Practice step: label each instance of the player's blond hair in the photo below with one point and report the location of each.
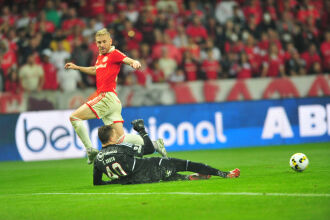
(102, 32)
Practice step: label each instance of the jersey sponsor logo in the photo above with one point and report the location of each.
(104, 59)
(101, 66)
(100, 156)
(47, 135)
(111, 152)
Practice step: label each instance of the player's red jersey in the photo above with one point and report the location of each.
(107, 68)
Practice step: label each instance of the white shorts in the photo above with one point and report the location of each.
(106, 106)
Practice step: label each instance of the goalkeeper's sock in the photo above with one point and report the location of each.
(204, 169)
(222, 174)
(81, 131)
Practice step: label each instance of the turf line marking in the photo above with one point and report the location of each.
(194, 194)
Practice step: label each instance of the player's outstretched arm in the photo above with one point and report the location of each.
(91, 70)
(133, 63)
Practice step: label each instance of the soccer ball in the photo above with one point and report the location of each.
(299, 162)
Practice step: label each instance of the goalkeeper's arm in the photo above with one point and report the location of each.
(97, 177)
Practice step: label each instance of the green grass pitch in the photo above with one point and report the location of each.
(264, 170)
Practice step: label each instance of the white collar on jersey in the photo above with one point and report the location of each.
(112, 48)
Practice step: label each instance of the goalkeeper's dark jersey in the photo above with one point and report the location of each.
(121, 163)
(116, 161)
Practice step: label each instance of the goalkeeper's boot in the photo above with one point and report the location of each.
(234, 173)
(159, 147)
(199, 176)
(138, 126)
(91, 154)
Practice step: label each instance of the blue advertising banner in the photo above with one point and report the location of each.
(47, 135)
(234, 124)
(8, 150)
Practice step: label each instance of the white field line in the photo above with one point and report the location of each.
(190, 194)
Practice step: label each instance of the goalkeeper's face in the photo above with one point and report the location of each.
(103, 42)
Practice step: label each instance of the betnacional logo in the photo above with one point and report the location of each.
(186, 133)
(46, 135)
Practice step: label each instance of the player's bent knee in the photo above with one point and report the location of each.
(71, 118)
(74, 118)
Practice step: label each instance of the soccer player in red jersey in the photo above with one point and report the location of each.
(105, 105)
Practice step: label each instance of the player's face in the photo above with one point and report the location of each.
(103, 43)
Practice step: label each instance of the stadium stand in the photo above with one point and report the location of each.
(175, 40)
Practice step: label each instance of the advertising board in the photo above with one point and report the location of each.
(44, 135)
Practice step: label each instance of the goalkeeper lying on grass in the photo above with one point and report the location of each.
(123, 163)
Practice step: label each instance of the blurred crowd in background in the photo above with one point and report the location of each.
(175, 40)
